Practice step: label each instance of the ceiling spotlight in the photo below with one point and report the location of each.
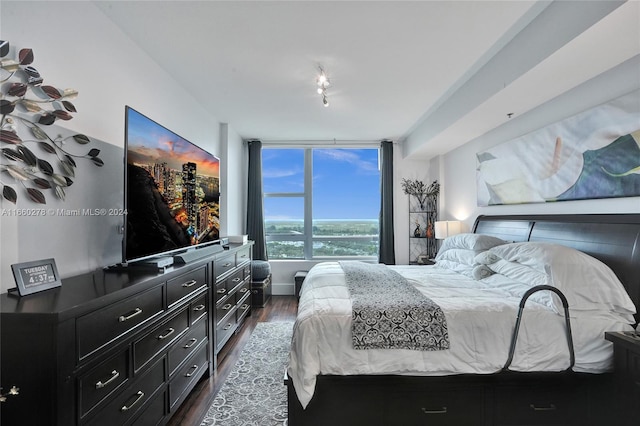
(323, 82)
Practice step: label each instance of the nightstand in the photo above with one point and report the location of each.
(626, 354)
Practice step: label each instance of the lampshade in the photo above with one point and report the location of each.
(447, 228)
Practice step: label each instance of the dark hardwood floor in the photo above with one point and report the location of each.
(279, 308)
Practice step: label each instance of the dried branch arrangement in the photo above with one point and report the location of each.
(418, 189)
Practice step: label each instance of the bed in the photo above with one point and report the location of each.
(329, 382)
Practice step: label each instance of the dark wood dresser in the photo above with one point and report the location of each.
(122, 346)
(232, 291)
(626, 354)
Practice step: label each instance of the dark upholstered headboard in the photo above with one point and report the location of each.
(614, 239)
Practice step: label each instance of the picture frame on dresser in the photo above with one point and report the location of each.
(34, 276)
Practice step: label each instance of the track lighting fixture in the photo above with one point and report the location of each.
(323, 82)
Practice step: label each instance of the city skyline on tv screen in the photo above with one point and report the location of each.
(173, 190)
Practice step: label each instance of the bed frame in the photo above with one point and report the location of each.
(505, 398)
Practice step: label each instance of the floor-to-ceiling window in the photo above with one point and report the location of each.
(321, 202)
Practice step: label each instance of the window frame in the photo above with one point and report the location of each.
(307, 237)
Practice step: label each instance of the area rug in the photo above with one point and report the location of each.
(254, 394)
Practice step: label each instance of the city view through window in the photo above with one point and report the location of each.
(340, 194)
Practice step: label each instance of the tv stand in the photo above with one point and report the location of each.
(196, 254)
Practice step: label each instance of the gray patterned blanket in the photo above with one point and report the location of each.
(389, 313)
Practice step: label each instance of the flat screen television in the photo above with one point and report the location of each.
(172, 191)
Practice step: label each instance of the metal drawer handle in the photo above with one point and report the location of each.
(235, 280)
(189, 283)
(191, 343)
(226, 307)
(135, 312)
(222, 291)
(254, 291)
(244, 290)
(114, 375)
(140, 395)
(228, 326)
(245, 306)
(226, 265)
(195, 368)
(442, 410)
(551, 407)
(198, 308)
(167, 334)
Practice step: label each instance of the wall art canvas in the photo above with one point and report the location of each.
(594, 154)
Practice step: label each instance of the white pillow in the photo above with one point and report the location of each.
(458, 252)
(458, 255)
(587, 283)
(477, 242)
(519, 272)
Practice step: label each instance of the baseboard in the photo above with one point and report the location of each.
(283, 289)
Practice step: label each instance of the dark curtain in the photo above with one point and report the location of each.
(255, 216)
(386, 253)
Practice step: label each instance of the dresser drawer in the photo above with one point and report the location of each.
(224, 330)
(187, 345)
(234, 281)
(220, 292)
(158, 339)
(539, 406)
(223, 265)
(186, 284)
(243, 307)
(102, 326)
(226, 287)
(102, 381)
(246, 271)
(199, 308)
(450, 407)
(187, 374)
(154, 414)
(243, 291)
(125, 404)
(243, 255)
(224, 310)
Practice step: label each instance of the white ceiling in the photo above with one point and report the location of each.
(399, 70)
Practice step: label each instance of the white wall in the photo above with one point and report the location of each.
(233, 186)
(76, 46)
(459, 165)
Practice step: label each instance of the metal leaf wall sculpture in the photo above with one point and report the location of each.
(27, 105)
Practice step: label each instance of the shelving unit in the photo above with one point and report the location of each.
(422, 219)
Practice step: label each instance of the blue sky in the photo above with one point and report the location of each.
(154, 143)
(346, 183)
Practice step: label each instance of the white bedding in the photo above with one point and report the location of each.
(480, 321)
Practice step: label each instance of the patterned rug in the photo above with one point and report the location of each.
(254, 394)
